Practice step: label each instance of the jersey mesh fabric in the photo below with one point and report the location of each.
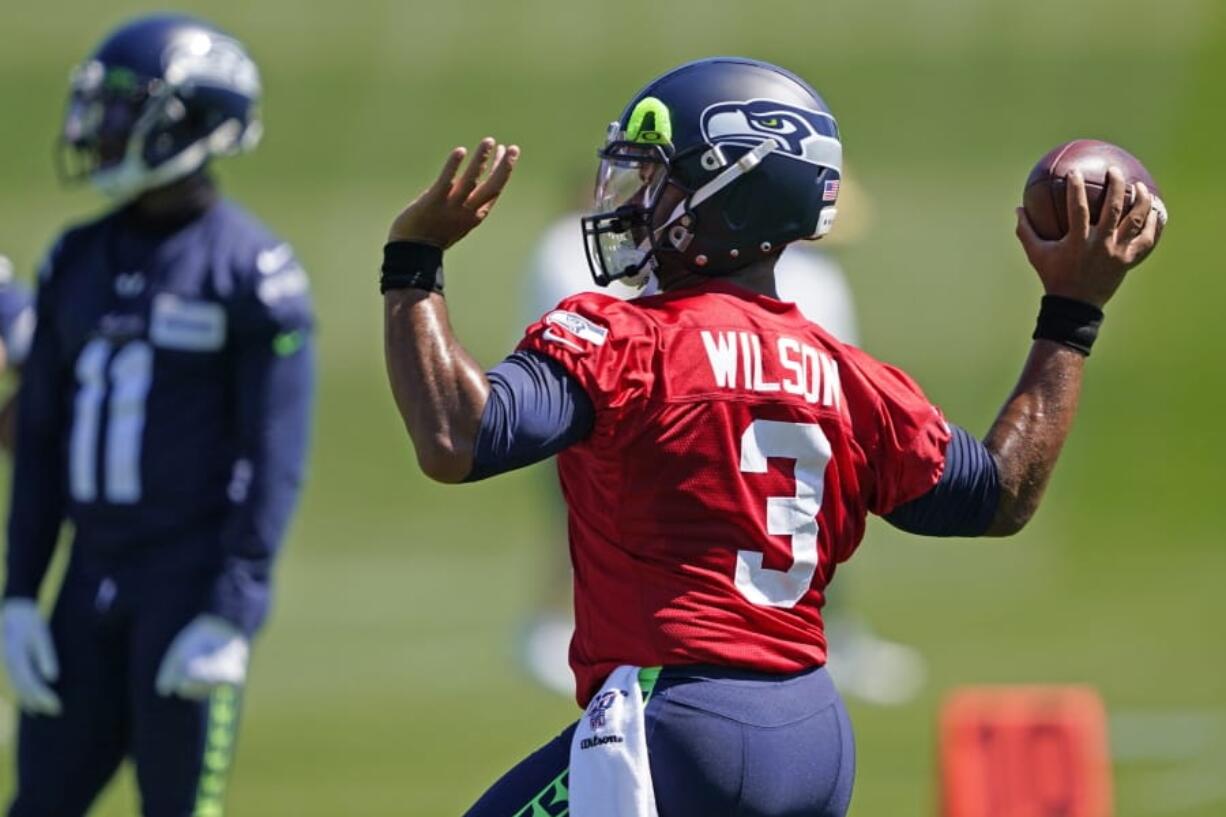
(677, 499)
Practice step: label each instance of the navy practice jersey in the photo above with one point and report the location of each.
(166, 394)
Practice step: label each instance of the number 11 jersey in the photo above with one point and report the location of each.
(736, 451)
(145, 397)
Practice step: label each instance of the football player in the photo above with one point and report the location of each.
(164, 413)
(718, 452)
(864, 664)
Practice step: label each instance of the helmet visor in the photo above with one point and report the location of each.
(628, 184)
(629, 174)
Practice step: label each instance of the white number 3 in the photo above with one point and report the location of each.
(794, 516)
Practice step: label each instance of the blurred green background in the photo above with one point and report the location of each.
(385, 683)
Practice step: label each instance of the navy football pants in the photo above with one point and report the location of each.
(112, 623)
(721, 742)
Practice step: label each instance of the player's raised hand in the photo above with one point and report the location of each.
(457, 202)
(1090, 261)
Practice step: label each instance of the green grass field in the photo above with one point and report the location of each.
(385, 683)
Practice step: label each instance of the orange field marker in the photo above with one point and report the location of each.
(1025, 752)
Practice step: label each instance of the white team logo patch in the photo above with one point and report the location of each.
(187, 326)
(281, 276)
(273, 260)
(290, 282)
(575, 326)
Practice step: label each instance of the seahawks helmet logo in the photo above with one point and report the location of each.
(807, 135)
(206, 58)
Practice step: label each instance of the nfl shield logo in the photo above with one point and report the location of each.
(597, 709)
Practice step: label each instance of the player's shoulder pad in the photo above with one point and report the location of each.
(876, 372)
(258, 260)
(604, 343)
(893, 393)
(80, 237)
(592, 320)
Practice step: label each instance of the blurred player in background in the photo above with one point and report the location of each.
(718, 452)
(163, 413)
(16, 332)
(863, 664)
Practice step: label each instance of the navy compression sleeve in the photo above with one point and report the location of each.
(535, 409)
(964, 500)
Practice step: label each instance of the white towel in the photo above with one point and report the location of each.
(609, 772)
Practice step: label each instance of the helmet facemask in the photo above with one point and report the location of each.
(106, 109)
(619, 238)
(626, 238)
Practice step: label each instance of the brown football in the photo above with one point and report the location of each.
(1044, 196)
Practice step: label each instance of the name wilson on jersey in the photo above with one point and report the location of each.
(741, 360)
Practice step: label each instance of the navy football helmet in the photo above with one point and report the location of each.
(160, 96)
(752, 151)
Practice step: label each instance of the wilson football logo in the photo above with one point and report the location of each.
(804, 134)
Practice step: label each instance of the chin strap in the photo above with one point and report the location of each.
(736, 170)
(742, 166)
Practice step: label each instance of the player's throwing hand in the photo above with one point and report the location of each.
(446, 211)
(1088, 264)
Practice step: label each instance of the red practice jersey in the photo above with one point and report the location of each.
(736, 452)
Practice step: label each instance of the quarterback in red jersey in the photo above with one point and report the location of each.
(722, 416)
(719, 453)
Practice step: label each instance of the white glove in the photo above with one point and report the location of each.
(208, 653)
(29, 657)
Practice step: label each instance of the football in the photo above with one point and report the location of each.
(1044, 195)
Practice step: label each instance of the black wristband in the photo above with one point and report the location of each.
(411, 265)
(1072, 323)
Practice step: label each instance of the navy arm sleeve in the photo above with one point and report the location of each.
(535, 409)
(964, 500)
(38, 493)
(274, 382)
